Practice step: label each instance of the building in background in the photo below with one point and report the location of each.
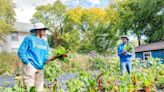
(15, 38)
(155, 50)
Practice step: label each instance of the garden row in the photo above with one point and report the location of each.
(95, 73)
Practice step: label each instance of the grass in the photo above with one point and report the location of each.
(86, 62)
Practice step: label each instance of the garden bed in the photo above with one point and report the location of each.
(86, 73)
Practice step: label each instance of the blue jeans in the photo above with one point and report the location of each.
(125, 66)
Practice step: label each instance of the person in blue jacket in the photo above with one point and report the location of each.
(34, 54)
(125, 56)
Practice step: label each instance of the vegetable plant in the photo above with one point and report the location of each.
(128, 47)
(61, 54)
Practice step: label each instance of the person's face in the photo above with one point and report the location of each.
(42, 32)
(124, 40)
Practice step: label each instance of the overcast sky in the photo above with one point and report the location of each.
(26, 8)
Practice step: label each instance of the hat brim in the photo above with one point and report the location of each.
(33, 30)
(125, 37)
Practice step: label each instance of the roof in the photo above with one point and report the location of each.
(23, 27)
(151, 46)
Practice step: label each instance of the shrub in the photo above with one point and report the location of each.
(8, 62)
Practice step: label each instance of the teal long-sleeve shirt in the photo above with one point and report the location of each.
(34, 50)
(122, 56)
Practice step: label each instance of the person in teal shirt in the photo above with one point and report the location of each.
(125, 55)
(34, 53)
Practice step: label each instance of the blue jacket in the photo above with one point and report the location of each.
(122, 56)
(34, 50)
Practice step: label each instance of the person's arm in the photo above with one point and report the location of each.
(50, 59)
(53, 58)
(120, 51)
(130, 53)
(47, 59)
(22, 51)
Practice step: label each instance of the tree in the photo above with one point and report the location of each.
(52, 15)
(7, 18)
(72, 40)
(155, 28)
(95, 26)
(138, 16)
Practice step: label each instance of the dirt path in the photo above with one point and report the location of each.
(7, 81)
(10, 81)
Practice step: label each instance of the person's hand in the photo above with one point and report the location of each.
(65, 55)
(50, 59)
(53, 58)
(61, 56)
(125, 53)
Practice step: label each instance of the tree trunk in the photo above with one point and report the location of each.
(139, 39)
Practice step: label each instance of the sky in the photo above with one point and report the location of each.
(26, 8)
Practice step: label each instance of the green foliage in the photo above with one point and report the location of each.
(160, 83)
(52, 15)
(61, 54)
(51, 41)
(105, 37)
(8, 62)
(99, 62)
(112, 80)
(19, 89)
(32, 89)
(97, 33)
(78, 29)
(71, 40)
(87, 29)
(16, 88)
(87, 74)
(52, 71)
(85, 82)
(75, 85)
(60, 51)
(141, 17)
(128, 48)
(7, 19)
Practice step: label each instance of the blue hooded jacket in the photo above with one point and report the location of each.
(34, 50)
(122, 56)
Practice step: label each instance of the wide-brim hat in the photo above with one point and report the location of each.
(38, 26)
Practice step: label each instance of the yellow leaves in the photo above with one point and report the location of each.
(112, 14)
(92, 14)
(90, 18)
(119, 1)
(97, 14)
(75, 14)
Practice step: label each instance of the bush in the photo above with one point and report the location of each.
(8, 62)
